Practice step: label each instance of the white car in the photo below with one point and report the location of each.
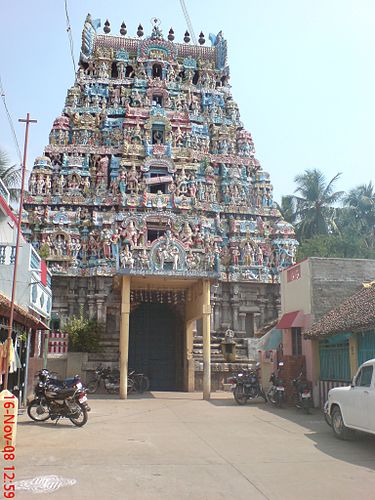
(353, 407)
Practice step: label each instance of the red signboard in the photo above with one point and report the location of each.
(293, 274)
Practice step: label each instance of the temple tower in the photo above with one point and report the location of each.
(152, 211)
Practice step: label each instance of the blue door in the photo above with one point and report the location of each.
(366, 346)
(334, 358)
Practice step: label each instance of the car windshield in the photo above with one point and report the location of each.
(364, 377)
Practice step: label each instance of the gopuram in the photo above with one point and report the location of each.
(152, 211)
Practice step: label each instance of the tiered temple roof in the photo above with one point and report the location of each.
(149, 169)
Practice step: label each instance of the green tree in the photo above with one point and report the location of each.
(314, 204)
(10, 175)
(360, 202)
(84, 333)
(288, 209)
(337, 245)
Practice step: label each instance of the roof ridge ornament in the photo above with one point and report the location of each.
(156, 33)
(369, 284)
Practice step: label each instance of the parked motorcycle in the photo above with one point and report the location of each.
(104, 376)
(137, 382)
(141, 381)
(246, 385)
(276, 393)
(303, 393)
(53, 400)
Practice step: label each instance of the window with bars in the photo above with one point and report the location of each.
(296, 342)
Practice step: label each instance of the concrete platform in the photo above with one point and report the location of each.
(177, 446)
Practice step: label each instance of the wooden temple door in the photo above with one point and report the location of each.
(155, 345)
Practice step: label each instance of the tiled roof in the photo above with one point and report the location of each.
(20, 314)
(355, 314)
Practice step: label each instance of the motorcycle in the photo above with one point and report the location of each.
(141, 381)
(137, 382)
(303, 393)
(276, 393)
(103, 375)
(53, 400)
(246, 385)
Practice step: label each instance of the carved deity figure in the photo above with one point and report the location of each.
(248, 255)
(130, 233)
(115, 237)
(144, 259)
(132, 179)
(186, 234)
(126, 258)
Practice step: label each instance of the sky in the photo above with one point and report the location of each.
(302, 72)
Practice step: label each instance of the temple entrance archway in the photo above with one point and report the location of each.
(172, 349)
(156, 345)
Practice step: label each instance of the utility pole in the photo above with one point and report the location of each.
(26, 120)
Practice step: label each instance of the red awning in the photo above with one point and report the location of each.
(42, 326)
(295, 319)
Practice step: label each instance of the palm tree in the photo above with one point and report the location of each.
(10, 175)
(288, 209)
(314, 202)
(361, 201)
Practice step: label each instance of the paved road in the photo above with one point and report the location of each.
(177, 446)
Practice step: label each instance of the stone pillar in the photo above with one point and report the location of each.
(226, 321)
(72, 300)
(217, 316)
(235, 307)
(242, 316)
(81, 304)
(91, 305)
(206, 309)
(212, 326)
(189, 367)
(124, 336)
(100, 309)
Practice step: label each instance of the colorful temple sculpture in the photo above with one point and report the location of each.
(149, 187)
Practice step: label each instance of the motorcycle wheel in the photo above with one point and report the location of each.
(38, 411)
(144, 384)
(131, 385)
(92, 386)
(253, 393)
(81, 418)
(111, 389)
(306, 407)
(239, 395)
(270, 396)
(279, 399)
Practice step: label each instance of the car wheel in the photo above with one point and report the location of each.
(338, 426)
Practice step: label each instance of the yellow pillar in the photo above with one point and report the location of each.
(353, 354)
(124, 336)
(206, 309)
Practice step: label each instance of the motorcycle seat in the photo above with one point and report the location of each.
(59, 392)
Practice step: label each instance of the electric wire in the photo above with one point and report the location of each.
(70, 36)
(10, 121)
(188, 21)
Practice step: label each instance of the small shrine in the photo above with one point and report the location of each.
(149, 186)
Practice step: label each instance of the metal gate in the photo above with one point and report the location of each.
(334, 358)
(366, 346)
